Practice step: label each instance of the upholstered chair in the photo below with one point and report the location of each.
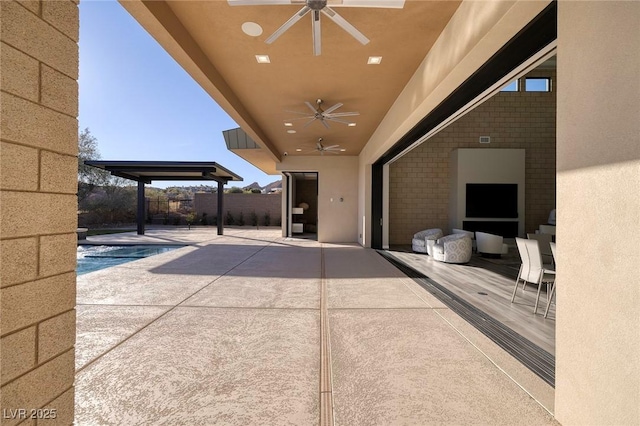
(454, 248)
(547, 229)
(490, 244)
(470, 234)
(419, 243)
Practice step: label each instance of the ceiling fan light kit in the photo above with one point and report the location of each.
(316, 8)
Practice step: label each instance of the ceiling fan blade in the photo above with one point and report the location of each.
(298, 112)
(324, 123)
(337, 120)
(309, 122)
(345, 25)
(333, 108)
(391, 4)
(330, 147)
(311, 107)
(295, 18)
(315, 27)
(342, 114)
(300, 118)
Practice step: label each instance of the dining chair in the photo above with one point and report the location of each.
(553, 287)
(532, 269)
(524, 265)
(544, 240)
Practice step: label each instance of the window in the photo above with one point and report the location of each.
(538, 84)
(511, 87)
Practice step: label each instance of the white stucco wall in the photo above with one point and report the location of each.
(598, 187)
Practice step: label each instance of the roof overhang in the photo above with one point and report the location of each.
(268, 101)
(148, 171)
(241, 144)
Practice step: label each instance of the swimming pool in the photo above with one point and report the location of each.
(94, 258)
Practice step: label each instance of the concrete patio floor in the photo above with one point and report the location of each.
(251, 328)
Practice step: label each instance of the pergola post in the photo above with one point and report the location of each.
(220, 199)
(141, 203)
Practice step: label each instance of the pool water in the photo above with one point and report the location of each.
(94, 258)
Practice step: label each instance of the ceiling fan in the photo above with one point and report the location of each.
(331, 149)
(317, 113)
(316, 7)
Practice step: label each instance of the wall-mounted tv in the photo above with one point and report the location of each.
(492, 200)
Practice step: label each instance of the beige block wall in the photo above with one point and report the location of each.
(38, 155)
(237, 203)
(419, 182)
(598, 268)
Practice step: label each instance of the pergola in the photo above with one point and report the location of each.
(148, 171)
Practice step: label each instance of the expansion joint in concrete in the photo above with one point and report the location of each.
(326, 388)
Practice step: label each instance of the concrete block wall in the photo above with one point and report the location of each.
(419, 182)
(38, 175)
(235, 203)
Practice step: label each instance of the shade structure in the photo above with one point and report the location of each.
(147, 171)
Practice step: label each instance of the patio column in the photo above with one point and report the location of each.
(220, 200)
(598, 162)
(141, 203)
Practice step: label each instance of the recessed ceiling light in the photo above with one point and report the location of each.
(263, 59)
(374, 60)
(288, 124)
(342, 150)
(298, 149)
(351, 124)
(252, 29)
(291, 131)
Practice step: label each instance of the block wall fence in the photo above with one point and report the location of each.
(38, 184)
(204, 202)
(419, 182)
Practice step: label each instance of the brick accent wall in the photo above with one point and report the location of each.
(419, 181)
(235, 203)
(38, 155)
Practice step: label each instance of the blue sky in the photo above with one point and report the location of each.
(141, 105)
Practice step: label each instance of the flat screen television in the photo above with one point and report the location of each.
(492, 200)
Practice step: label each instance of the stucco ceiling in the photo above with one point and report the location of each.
(258, 96)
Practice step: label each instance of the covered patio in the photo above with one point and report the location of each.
(280, 331)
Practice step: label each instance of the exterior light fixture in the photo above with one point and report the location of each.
(263, 59)
(374, 60)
